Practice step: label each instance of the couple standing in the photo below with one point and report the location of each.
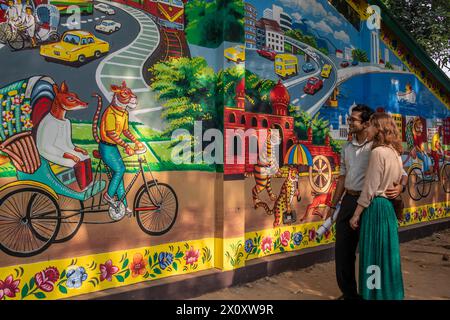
(371, 173)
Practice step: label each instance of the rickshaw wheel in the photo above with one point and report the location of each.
(152, 221)
(18, 43)
(320, 174)
(416, 184)
(445, 177)
(22, 212)
(71, 219)
(54, 37)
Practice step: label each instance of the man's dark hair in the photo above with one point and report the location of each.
(366, 112)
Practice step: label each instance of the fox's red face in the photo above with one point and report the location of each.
(69, 101)
(123, 96)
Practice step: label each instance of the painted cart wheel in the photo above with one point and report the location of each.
(22, 212)
(418, 186)
(72, 215)
(157, 209)
(320, 174)
(18, 43)
(445, 177)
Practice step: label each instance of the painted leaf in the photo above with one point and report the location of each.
(179, 255)
(120, 278)
(152, 275)
(62, 289)
(25, 290)
(150, 260)
(125, 263)
(32, 282)
(40, 295)
(281, 249)
(292, 246)
(175, 266)
(63, 274)
(127, 274)
(155, 257)
(157, 271)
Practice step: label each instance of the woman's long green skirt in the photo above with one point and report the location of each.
(380, 272)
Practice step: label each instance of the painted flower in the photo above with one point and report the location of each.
(407, 217)
(424, 213)
(16, 100)
(138, 265)
(46, 279)
(28, 124)
(107, 270)
(327, 234)
(297, 238)
(9, 287)
(431, 210)
(165, 259)
(8, 116)
(312, 234)
(75, 277)
(440, 211)
(416, 215)
(285, 237)
(266, 244)
(26, 108)
(249, 245)
(191, 256)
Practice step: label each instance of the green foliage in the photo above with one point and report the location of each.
(187, 87)
(320, 129)
(360, 55)
(209, 24)
(298, 35)
(428, 21)
(258, 90)
(389, 66)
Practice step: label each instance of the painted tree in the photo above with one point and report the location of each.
(211, 23)
(187, 88)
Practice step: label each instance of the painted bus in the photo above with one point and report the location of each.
(286, 65)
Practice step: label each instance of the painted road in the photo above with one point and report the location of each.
(31, 63)
(127, 64)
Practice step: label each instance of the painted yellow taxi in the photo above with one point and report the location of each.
(75, 47)
(236, 53)
(326, 70)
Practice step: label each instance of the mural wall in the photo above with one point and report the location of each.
(90, 195)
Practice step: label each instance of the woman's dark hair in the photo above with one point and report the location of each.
(366, 112)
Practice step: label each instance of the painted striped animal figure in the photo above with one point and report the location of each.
(265, 168)
(284, 200)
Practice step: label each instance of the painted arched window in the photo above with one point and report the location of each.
(232, 118)
(254, 122)
(265, 124)
(243, 120)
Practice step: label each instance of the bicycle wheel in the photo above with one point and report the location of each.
(415, 184)
(445, 177)
(22, 212)
(18, 43)
(157, 209)
(72, 215)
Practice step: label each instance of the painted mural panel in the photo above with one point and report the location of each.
(88, 105)
(91, 197)
(308, 62)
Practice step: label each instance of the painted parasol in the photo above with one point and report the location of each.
(298, 154)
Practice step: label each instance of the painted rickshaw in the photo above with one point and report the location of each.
(47, 22)
(43, 206)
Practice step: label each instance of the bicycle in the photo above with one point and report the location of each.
(34, 215)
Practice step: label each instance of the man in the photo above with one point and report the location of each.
(355, 157)
(30, 23)
(12, 14)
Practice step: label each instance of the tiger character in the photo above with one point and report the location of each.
(284, 200)
(113, 124)
(266, 167)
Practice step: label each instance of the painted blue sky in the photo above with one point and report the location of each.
(321, 17)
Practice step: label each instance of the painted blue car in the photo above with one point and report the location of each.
(308, 67)
(355, 62)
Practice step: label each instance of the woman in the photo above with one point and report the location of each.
(380, 275)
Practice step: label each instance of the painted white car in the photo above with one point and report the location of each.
(104, 8)
(108, 26)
